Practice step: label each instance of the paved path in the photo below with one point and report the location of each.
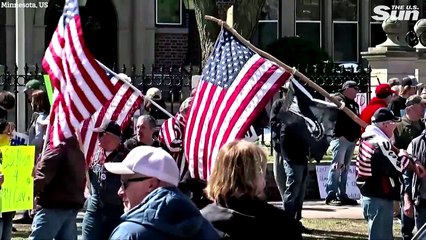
(318, 209)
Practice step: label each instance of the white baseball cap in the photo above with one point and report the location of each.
(147, 161)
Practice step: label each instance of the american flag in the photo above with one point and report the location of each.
(171, 136)
(80, 85)
(119, 109)
(363, 163)
(235, 87)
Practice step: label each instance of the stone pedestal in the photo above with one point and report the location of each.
(393, 58)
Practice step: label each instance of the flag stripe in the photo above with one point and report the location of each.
(120, 109)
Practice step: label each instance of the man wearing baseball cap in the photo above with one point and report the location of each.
(104, 207)
(154, 207)
(383, 97)
(379, 172)
(408, 88)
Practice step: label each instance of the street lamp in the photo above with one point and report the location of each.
(189, 4)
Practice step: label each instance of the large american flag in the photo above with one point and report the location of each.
(80, 85)
(235, 87)
(119, 109)
(171, 137)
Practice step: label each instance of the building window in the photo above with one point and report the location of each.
(345, 30)
(308, 20)
(168, 12)
(268, 24)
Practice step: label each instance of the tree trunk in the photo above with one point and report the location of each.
(246, 16)
(208, 30)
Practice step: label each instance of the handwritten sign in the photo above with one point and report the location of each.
(19, 139)
(361, 99)
(17, 190)
(351, 188)
(48, 85)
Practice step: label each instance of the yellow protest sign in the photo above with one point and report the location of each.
(17, 190)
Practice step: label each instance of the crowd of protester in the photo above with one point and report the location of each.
(136, 189)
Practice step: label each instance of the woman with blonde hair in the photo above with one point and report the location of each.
(236, 187)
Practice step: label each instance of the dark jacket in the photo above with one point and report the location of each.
(405, 131)
(345, 126)
(294, 139)
(379, 169)
(105, 185)
(276, 123)
(396, 105)
(166, 213)
(368, 112)
(133, 142)
(60, 176)
(246, 218)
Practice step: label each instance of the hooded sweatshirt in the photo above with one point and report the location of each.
(166, 213)
(368, 112)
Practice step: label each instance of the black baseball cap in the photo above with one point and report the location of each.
(109, 127)
(383, 115)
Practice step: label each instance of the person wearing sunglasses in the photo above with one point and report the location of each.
(104, 207)
(154, 207)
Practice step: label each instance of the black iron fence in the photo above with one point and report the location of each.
(175, 81)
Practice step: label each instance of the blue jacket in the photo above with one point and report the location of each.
(166, 213)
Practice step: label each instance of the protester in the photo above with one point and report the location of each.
(59, 191)
(379, 168)
(395, 84)
(41, 106)
(154, 206)
(236, 187)
(154, 94)
(6, 217)
(409, 128)
(346, 134)
(279, 171)
(104, 206)
(383, 97)
(414, 186)
(32, 86)
(408, 88)
(7, 102)
(171, 136)
(145, 127)
(294, 148)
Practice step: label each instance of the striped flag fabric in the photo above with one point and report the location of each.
(363, 163)
(234, 88)
(80, 85)
(170, 137)
(119, 109)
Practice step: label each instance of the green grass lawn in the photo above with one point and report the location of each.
(344, 229)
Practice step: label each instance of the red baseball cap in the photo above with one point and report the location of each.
(383, 90)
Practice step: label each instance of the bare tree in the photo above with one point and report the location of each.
(246, 17)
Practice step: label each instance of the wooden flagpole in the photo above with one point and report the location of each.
(291, 70)
(134, 88)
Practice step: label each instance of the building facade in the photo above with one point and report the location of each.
(164, 31)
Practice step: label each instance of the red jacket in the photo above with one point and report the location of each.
(368, 112)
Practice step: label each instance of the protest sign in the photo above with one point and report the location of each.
(48, 85)
(17, 190)
(351, 188)
(19, 139)
(361, 99)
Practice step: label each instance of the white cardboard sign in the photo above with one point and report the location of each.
(351, 188)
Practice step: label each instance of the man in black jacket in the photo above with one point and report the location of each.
(346, 134)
